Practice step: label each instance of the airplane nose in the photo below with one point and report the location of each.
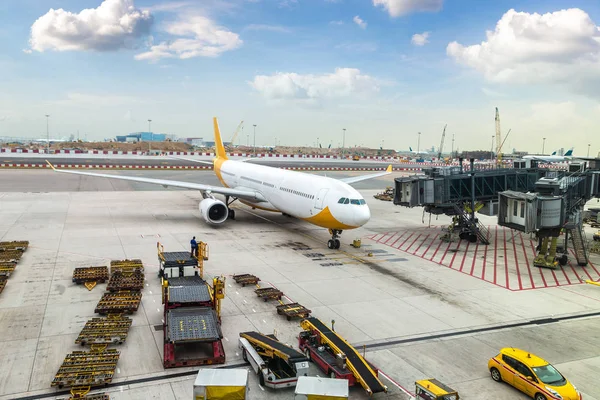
(362, 215)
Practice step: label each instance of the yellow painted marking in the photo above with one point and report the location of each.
(326, 220)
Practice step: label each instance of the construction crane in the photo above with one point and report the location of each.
(498, 140)
(441, 149)
(236, 132)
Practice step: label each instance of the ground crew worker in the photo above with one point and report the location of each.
(194, 245)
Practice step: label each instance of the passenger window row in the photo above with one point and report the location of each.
(357, 202)
(297, 193)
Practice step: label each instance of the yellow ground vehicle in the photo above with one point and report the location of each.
(432, 389)
(531, 375)
(597, 236)
(356, 157)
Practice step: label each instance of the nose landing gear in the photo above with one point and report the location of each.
(334, 242)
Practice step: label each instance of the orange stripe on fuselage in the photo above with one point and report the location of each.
(326, 220)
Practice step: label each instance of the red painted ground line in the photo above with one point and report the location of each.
(413, 242)
(378, 237)
(528, 266)
(455, 253)
(540, 269)
(496, 254)
(589, 262)
(390, 238)
(583, 268)
(399, 237)
(474, 259)
(421, 245)
(405, 240)
(436, 250)
(484, 261)
(517, 261)
(446, 252)
(574, 272)
(565, 274)
(462, 263)
(383, 237)
(506, 260)
(428, 247)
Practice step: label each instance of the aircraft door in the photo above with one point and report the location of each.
(320, 197)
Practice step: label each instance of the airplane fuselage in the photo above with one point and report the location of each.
(322, 201)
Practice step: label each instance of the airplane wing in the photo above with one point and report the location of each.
(192, 160)
(245, 194)
(354, 179)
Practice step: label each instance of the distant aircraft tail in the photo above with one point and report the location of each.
(219, 148)
(410, 148)
(554, 153)
(569, 153)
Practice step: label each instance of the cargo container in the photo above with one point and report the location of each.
(221, 384)
(313, 388)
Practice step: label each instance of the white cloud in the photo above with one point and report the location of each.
(271, 28)
(336, 22)
(397, 8)
(558, 47)
(344, 82)
(420, 39)
(88, 99)
(358, 21)
(115, 24)
(201, 37)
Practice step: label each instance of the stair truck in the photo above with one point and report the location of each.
(314, 388)
(276, 364)
(336, 357)
(221, 384)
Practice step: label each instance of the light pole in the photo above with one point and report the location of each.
(47, 135)
(452, 154)
(150, 142)
(419, 144)
(543, 145)
(589, 149)
(344, 142)
(254, 140)
(492, 148)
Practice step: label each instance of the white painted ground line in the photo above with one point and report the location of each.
(396, 384)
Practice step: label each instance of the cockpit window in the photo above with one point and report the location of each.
(346, 201)
(362, 201)
(341, 201)
(353, 201)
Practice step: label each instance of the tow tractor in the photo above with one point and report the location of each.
(276, 364)
(336, 357)
(432, 389)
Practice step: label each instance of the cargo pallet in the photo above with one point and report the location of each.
(119, 302)
(175, 264)
(10, 256)
(14, 245)
(269, 293)
(293, 310)
(6, 269)
(190, 291)
(126, 266)
(110, 330)
(246, 279)
(192, 337)
(87, 368)
(2, 284)
(90, 274)
(125, 281)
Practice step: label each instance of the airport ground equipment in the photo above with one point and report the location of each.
(6, 269)
(90, 274)
(246, 279)
(221, 384)
(336, 357)
(81, 394)
(386, 195)
(526, 197)
(125, 301)
(2, 283)
(20, 245)
(181, 263)
(269, 293)
(126, 266)
(107, 330)
(432, 389)
(293, 310)
(276, 364)
(11, 255)
(125, 281)
(87, 368)
(316, 388)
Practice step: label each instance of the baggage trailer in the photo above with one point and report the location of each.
(14, 245)
(111, 330)
(336, 357)
(293, 310)
(269, 293)
(432, 389)
(221, 384)
(119, 302)
(2, 284)
(277, 365)
(87, 368)
(315, 388)
(246, 279)
(10, 256)
(6, 269)
(125, 281)
(90, 274)
(192, 337)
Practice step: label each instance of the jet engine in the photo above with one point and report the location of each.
(214, 211)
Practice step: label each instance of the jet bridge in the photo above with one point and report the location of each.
(526, 197)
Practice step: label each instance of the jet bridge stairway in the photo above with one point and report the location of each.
(476, 229)
(577, 237)
(359, 367)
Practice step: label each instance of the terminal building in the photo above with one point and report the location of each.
(143, 137)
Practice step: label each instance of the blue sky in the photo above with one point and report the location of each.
(305, 69)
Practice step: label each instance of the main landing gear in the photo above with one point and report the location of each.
(334, 242)
(231, 211)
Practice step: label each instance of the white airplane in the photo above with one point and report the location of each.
(417, 152)
(552, 158)
(326, 202)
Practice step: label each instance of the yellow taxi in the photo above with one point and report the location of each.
(531, 375)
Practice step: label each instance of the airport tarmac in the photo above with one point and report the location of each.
(417, 316)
